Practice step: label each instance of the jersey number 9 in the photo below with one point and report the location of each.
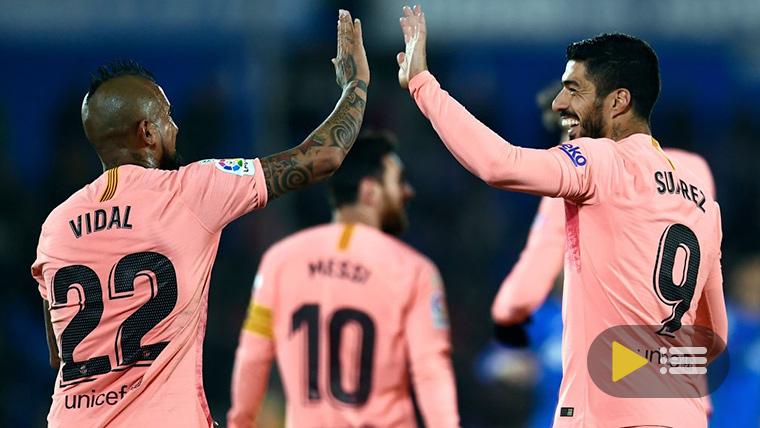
(678, 295)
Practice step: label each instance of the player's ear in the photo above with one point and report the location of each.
(147, 133)
(621, 101)
(368, 192)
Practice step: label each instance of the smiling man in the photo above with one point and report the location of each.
(642, 236)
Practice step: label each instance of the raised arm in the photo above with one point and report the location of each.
(320, 155)
(479, 149)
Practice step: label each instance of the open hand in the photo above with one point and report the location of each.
(413, 60)
(351, 60)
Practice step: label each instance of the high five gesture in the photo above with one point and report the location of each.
(351, 60)
(324, 149)
(413, 60)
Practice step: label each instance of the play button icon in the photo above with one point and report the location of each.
(635, 361)
(625, 361)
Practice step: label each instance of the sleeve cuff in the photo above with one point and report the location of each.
(419, 81)
(261, 184)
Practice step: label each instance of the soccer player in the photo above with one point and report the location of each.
(348, 310)
(531, 279)
(529, 283)
(124, 264)
(629, 211)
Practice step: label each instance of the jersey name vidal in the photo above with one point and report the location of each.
(125, 267)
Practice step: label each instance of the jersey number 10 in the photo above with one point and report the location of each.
(309, 315)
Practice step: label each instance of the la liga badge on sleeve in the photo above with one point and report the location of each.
(237, 166)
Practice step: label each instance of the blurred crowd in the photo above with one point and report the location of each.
(231, 108)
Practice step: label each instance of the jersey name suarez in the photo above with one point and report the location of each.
(668, 184)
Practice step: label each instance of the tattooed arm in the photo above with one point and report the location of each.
(320, 155)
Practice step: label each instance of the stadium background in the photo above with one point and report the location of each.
(248, 78)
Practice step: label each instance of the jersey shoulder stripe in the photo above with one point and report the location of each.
(345, 237)
(113, 181)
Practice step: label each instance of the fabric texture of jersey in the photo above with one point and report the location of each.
(125, 266)
(531, 279)
(529, 283)
(351, 313)
(620, 198)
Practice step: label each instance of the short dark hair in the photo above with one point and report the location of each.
(621, 61)
(364, 160)
(117, 68)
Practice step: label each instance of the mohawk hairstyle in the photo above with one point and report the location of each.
(117, 68)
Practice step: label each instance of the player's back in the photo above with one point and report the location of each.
(639, 252)
(341, 303)
(125, 265)
(697, 164)
(625, 233)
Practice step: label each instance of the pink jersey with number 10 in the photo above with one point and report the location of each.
(350, 313)
(125, 265)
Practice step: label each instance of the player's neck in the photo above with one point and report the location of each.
(357, 214)
(624, 129)
(126, 157)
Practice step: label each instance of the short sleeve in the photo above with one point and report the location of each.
(218, 191)
(38, 269)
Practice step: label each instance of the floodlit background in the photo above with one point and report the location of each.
(248, 78)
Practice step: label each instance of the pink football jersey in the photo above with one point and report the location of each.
(349, 313)
(531, 279)
(125, 266)
(631, 215)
